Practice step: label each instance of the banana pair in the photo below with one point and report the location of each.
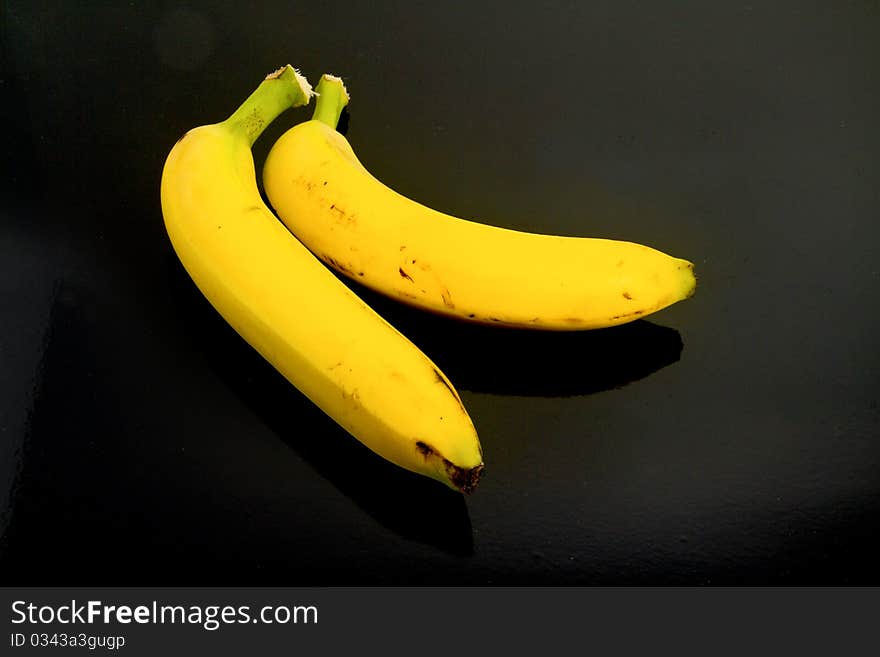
(267, 280)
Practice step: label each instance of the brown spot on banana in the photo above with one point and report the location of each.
(354, 396)
(634, 313)
(335, 263)
(403, 274)
(464, 479)
(342, 215)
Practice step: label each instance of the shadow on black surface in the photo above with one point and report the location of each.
(507, 361)
(477, 358)
(410, 505)
(344, 120)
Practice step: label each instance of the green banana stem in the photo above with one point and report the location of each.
(280, 90)
(332, 99)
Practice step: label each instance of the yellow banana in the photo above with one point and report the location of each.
(453, 266)
(295, 312)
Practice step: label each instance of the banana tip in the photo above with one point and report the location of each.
(464, 479)
(692, 279)
(688, 278)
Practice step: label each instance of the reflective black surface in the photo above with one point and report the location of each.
(732, 438)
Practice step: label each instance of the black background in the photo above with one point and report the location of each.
(731, 439)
